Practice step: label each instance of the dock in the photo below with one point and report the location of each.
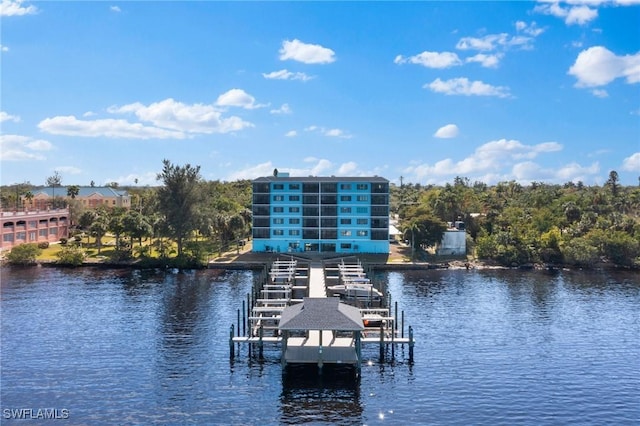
(292, 308)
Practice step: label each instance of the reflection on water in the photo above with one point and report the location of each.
(493, 347)
(332, 397)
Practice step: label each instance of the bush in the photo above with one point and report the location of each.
(24, 254)
(71, 255)
(43, 245)
(63, 241)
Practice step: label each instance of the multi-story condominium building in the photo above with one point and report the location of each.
(33, 227)
(321, 214)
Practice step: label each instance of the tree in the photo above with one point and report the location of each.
(53, 181)
(179, 200)
(29, 197)
(73, 191)
(24, 254)
(99, 227)
(612, 182)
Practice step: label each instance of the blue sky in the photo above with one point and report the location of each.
(492, 91)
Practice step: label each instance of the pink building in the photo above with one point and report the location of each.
(33, 227)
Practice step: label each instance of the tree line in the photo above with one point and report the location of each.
(188, 218)
(511, 224)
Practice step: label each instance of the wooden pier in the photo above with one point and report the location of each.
(290, 308)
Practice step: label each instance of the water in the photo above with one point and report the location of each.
(493, 347)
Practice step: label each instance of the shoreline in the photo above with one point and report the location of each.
(257, 263)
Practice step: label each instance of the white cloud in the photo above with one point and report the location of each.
(89, 114)
(291, 134)
(490, 158)
(347, 169)
(493, 41)
(69, 170)
(447, 132)
(143, 179)
(306, 53)
(287, 75)
(194, 118)
(528, 171)
(632, 163)
(580, 14)
(8, 117)
(532, 29)
(317, 167)
(15, 8)
(600, 93)
(487, 61)
(253, 172)
(110, 128)
(238, 98)
(431, 59)
(20, 148)
(115, 9)
(598, 66)
(3, 48)
(284, 109)
(462, 86)
(335, 133)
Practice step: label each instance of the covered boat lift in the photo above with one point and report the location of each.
(321, 331)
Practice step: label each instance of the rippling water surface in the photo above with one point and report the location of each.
(493, 347)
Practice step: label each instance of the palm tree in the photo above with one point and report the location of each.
(29, 197)
(413, 228)
(53, 181)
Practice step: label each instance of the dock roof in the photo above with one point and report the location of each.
(321, 313)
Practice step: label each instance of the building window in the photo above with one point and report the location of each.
(345, 209)
(278, 209)
(362, 221)
(345, 198)
(278, 221)
(294, 198)
(345, 186)
(278, 186)
(294, 209)
(362, 210)
(294, 186)
(345, 246)
(278, 232)
(278, 198)
(344, 221)
(7, 238)
(362, 233)
(363, 198)
(294, 232)
(43, 232)
(345, 233)
(362, 187)
(294, 221)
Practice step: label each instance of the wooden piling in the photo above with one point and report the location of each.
(260, 342)
(231, 344)
(396, 317)
(381, 343)
(411, 344)
(244, 321)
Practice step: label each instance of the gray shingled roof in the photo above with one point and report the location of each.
(314, 179)
(83, 191)
(321, 313)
